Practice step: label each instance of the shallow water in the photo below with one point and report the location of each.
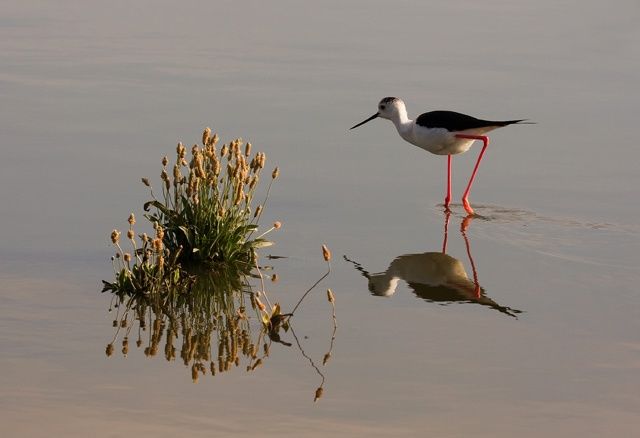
(93, 96)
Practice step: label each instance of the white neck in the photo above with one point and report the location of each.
(402, 123)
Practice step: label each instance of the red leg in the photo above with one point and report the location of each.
(463, 230)
(447, 199)
(485, 141)
(447, 215)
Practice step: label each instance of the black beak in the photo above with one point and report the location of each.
(368, 120)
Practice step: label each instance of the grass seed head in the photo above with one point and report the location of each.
(277, 224)
(235, 147)
(275, 173)
(194, 373)
(326, 254)
(253, 182)
(146, 182)
(261, 306)
(330, 297)
(132, 219)
(181, 150)
(115, 236)
(157, 245)
(216, 166)
(239, 197)
(205, 136)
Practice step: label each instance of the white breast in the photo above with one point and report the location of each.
(438, 141)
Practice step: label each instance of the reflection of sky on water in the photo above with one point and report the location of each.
(93, 96)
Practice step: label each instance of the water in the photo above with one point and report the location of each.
(94, 95)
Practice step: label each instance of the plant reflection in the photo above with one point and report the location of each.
(214, 323)
(435, 276)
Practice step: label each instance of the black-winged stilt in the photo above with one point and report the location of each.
(434, 276)
(441, 133)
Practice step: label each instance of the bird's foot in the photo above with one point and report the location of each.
(464, 225)
(477, 291)
(467, 206)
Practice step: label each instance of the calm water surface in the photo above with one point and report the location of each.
(549, 345)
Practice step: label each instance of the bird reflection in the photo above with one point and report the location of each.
(434, 276)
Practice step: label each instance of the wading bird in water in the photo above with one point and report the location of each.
(441, 133)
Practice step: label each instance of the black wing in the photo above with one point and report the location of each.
(453, 121)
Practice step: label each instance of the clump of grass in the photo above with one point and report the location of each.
(147, 267)
(190, 277)
(206, 208)
(205, 219)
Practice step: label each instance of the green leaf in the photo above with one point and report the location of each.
(186, 234)
(261, 243)
(158, 205)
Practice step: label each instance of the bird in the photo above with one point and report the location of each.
(433, 276)
(442, 133)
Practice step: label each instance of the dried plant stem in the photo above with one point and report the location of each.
(311, 288)
(264, 291)
(293, 332)
(266, 232)
(266, 197)
(333, 334)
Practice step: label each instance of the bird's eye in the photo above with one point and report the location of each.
(382, 107)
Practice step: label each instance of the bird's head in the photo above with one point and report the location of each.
(389, 108)
(383, 284)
